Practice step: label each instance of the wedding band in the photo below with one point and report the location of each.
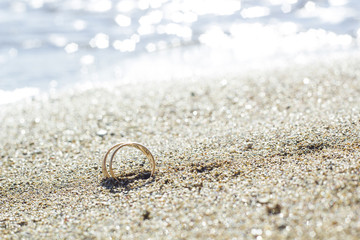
(116, 148)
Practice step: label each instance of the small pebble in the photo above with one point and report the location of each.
(264, 200)
(101, 132)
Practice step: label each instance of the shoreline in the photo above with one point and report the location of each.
(272, 154)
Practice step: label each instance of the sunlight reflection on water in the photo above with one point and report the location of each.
(74, 41)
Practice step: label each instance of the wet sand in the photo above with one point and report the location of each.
(269, 154)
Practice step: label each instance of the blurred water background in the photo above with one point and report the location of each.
(47, 45)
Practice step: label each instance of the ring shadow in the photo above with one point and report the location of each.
(125, 180)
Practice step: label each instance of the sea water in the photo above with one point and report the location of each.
(46, 45)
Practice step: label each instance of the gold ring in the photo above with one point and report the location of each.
(117, 147)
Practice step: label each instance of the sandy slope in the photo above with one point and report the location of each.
(269, 154)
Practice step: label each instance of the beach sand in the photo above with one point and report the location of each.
(271, 154)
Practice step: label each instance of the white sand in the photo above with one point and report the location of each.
(266, 155)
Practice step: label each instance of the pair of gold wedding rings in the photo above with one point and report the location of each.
(116, 148)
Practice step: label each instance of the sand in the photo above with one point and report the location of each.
(269, 154)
